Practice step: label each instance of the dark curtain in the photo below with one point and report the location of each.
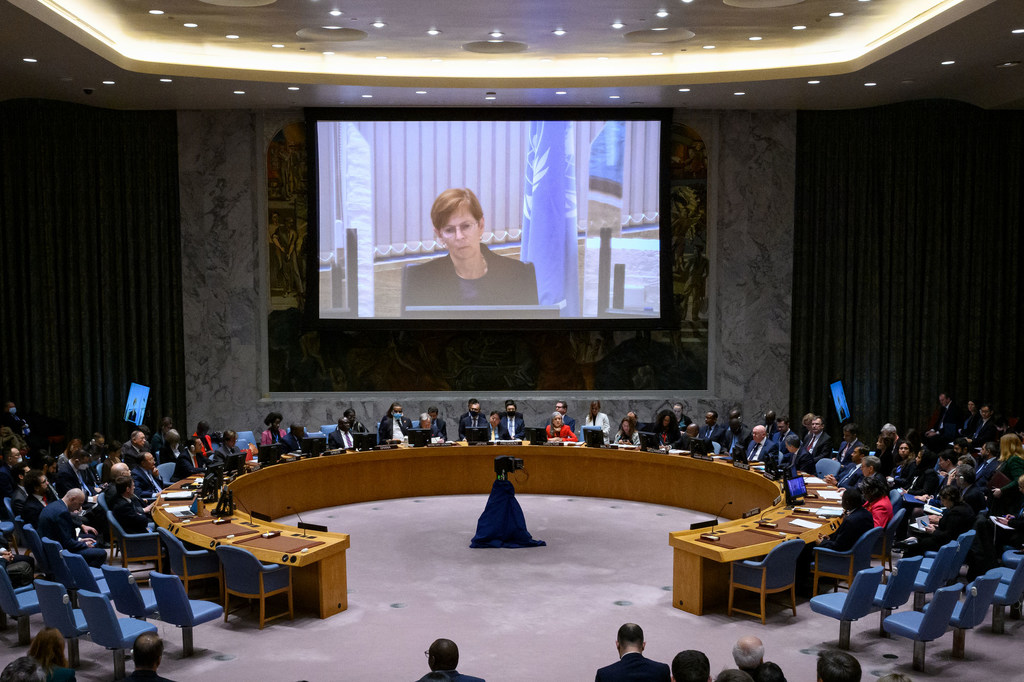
(90, 285)
(907, 261)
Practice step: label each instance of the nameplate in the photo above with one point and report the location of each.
(440, 445)
(770, 477)
(657, 451)
(384, 447)
(767, 524)
(741, 465)
(706, 458)
(710, 537)
(508, 442)
(751, 512)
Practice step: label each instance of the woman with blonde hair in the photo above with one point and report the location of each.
(1011, 465)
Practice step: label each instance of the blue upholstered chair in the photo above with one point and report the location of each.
(1009, 591)
(1012, 557)
(177, 609)
(930, 579)
(135, 546)
(897, 591)
(896, 498)
(246, 576)
(775, 573)
(35, 547)
(828, 563)
(166, 470)
(189, 564)
(55, 605)
(927, 626)
(971, 611)
(19, 604)
(851, 605)
(964, 543)
(128, 597)
(107, 630)
(826, 467)
(883, 547)
(86, 577)
(328, 429)
(58, 568)
(7, 527)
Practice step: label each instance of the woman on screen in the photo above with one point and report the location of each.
(470, 274)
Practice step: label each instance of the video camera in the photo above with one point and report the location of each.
(505, 465)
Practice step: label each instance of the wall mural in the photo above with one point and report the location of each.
(302, 360)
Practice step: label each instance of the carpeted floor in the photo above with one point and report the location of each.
(546, 613)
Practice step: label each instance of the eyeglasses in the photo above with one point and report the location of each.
(449, 231)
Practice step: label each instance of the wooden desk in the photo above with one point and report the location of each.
(352, 477)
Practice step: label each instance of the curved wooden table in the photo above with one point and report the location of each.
(351, 477)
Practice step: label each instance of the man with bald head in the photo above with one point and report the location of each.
(443, 657)
(56, 523)
(748, 653)
(761, 447)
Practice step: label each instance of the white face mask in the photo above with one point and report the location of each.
(83, 466)
(13, 410)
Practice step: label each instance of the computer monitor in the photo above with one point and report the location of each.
(476, 434)
(700, 446)
(593, 436)
(364, 441)
(232, 464)
(314, 446)
(795, 490)
(535, 434)
(649, 440)
(269, 455)
(418, 437)
(135, 405)
(839, 398)
(739, 453)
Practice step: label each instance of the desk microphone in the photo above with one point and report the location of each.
(715, 525)
(302, 526)
(246, 510)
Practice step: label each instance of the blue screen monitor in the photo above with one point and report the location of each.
(839, 398)
(135, 406)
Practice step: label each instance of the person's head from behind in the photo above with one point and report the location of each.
(443, 654)
(748, 652)
(792, 442)
(147, 651)
(837, 666)
(24, 669)
(852, 499)
(691, 666)
(769, 672)
(630, 637)
(47, 649)
(734, 675)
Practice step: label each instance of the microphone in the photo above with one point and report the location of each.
(713, 530)
(302, 526)
(246, 510)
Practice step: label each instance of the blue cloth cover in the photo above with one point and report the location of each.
(502, 523)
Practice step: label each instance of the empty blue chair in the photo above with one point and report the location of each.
(107, 630)
(135, 546)
(166, 470)
(897, 591)
(826, 467)
(964, 543)
(328, 429)
(19, 604)
(883, 548)
(35, 547)
(896, 498)
(247, 577)
(927, 626)
(55, 605)
(189, 564)
(828, 563)
(971, 611)
(7, 526)
(852, 605)
(244, 439)
(1009, 591)
(177, 609)
(127, 596)
(930, 579)
(775, 573)
(85, 575)
(1012, 557)
(58, 568)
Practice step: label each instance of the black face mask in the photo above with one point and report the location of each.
(474, 412)
(510, 414)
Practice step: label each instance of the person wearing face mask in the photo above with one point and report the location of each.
(74, 473)
(393, 425)
(472, 418)
(513, 427)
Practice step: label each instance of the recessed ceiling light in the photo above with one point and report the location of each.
(657, 54)
(709, 47)
(381, 57)
(559, 31)
(799, 27)
(619, 24)
(231, 36)
(546, 60)
(687, 1)
(30, 60)
(332, 28)
(813, 82)
(156, 11)
(835, 14)
(239, 92)
(433, 32)
(108, 82)
(378, 24)
(1006, 65)
(367, 96)
(190, 24)
(684, 89)
(661, 13)
(421, 92)
(166, 80)
(560, 92)
(335, 12)
(293, 87)
(613, 97)
(602, 59)
(948, 62)
(739, 93)
(436, 60)
(490, 97)
(755, 38)
(277, 45)
(328, 53)
(660, 28)
(1017, 30)
(496, 34)
(870, 85)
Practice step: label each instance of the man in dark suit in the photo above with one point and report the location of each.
(818, 443)
(781, 431)
(970, 493)
(988, 464)
(387, 429)
(147, 652)
(562, 406)
(631, 664)
(850, 442)
(512, 425)
(8, 482)
(856, 521)
(190, 461)
(20, 493)
(737, 435)
(131, 452)
(945, 424)
(472, 418)
(341, 437)
(761, 448)
(437, 425)
(796, 458)
(443, 657)
(986, 430)
(148, 483)
(56, 523)
(291, 441)
(73, 473)
(128, 509)
(689, 437)
(39, 495)
(712, 430)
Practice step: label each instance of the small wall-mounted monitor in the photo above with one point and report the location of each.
(535, 435)
(476, 434)
(593, 436)
(418, 437)
(839, 398)
(795, 490)
(135, 405)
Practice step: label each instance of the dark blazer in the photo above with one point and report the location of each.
(800, 461)
(974, 497)
(456, 676)
(969, 426)
(288, 442)
(518, 428)
(67, 479)
(742, 437)
(849, 478)
(954, 522)
(130, 514)
(143, 487)
(925, 482)
(984, 471)
(183, 467)
(768, 449)
(7, 483)
(822, 446)
(55, 523)
(18, 498)
(145, 676)
(714, 433)
(508, 281)
(439, 428)
(335, 440)
(466, 420)
(386, 428)
(130, 456)
(571, 423)
(846, 451)
(779, 437)
(633, 667)
(856, 523)
(984, 434)
(31, 511)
